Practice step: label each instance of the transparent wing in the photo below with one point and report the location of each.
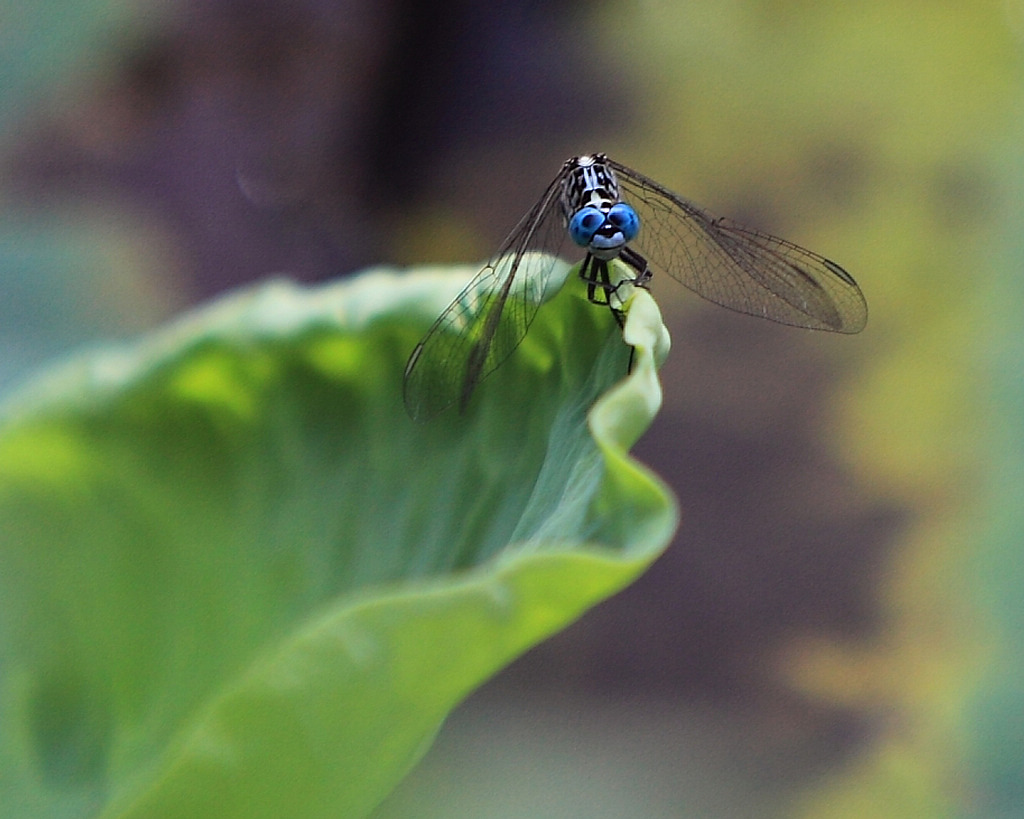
(490, 317)
(739, 268)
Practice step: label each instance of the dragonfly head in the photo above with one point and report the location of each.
(604, 232)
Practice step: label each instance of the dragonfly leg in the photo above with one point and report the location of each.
(642, 279)
(639, 264)
(595, 273)
(592, 273)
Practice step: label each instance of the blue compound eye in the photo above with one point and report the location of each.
(625, 219)
(584, 224)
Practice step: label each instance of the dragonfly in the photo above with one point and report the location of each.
(610, 212)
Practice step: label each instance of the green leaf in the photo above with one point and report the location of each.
(238, 581)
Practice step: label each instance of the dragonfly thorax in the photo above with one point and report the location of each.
(588, 181)
(595, 216)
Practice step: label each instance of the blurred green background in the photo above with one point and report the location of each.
(834, 631)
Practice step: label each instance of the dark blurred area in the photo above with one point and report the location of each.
(296, 137)
(315, 138)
